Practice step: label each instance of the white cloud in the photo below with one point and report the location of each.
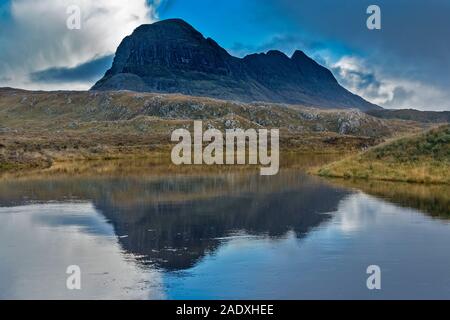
(37, 37)
(386, 90)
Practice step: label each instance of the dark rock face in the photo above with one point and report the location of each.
(170, 56)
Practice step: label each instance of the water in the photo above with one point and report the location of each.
(230, 236)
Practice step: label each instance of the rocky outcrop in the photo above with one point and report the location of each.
(170, 56)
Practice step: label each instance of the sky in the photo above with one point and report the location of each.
(405, 64)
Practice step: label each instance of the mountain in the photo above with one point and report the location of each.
(170, 56)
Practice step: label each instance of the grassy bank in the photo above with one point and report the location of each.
(422, 158)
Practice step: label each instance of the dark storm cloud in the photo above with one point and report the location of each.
(89, 71)
(413, 41)
(412, 47)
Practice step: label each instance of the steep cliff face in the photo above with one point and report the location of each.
(170, 56)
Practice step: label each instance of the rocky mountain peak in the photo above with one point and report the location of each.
(171, 56)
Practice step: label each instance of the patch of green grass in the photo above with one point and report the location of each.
(423, 158)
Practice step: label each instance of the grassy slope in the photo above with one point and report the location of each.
(41, 128)
(423, 158)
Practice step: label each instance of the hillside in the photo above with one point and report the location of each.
(412, 115)
(39, 128)
(423, 158)
(170, 56)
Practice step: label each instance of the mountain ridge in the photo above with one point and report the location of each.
(171, 56)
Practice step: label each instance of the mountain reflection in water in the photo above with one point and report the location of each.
(232, 236)
(171, 222)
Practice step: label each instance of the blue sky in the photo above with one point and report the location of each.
(241, 26)
(404, 65)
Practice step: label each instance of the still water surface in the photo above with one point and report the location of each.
(230, 236)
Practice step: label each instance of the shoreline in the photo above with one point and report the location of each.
(422, 158)
(159, 163)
